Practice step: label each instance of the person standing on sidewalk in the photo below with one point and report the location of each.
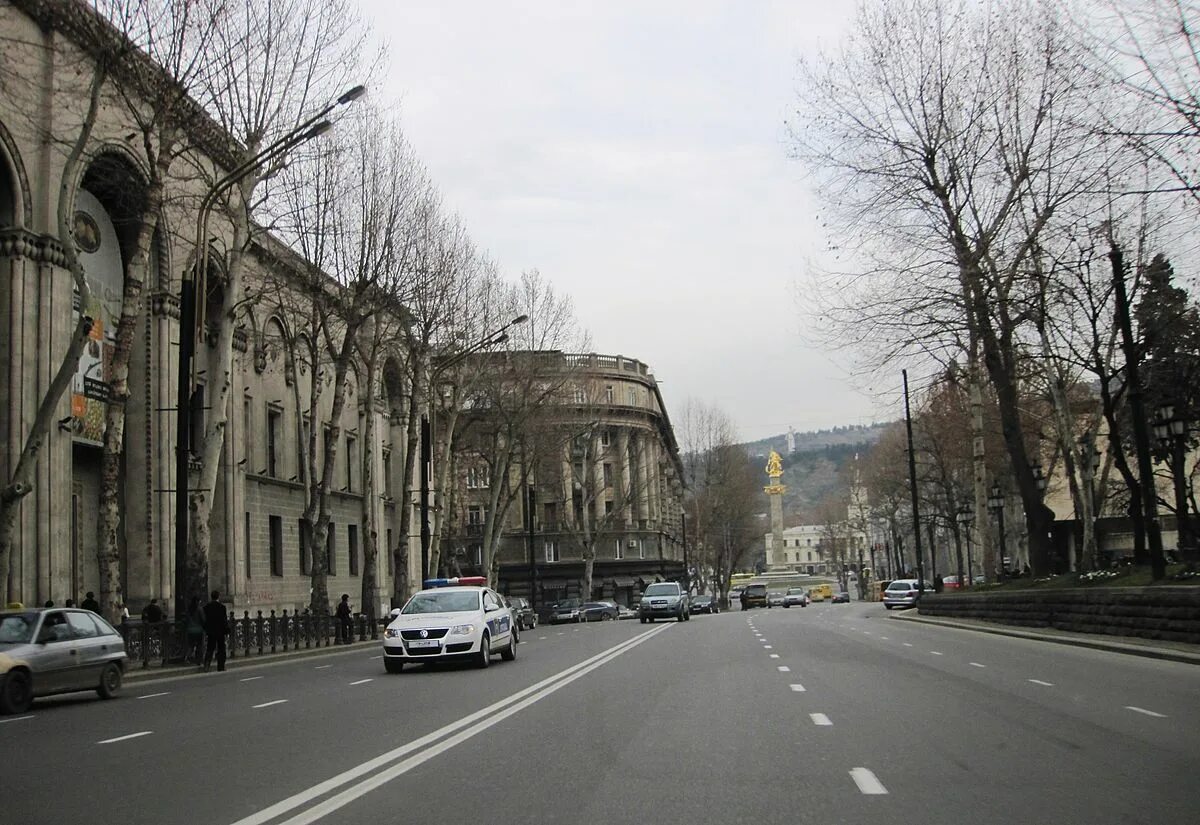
(90, 603)
(344, 616)
(216, 625)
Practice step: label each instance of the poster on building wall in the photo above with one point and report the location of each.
(100, 254)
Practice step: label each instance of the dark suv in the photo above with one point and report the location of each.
(522, 612)
(754, 595)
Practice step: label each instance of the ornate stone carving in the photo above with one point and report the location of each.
(165, 303)
(42, 249)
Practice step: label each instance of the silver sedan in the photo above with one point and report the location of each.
(49, 651)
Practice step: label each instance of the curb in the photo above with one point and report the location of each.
(176, 672)
(1145, 651)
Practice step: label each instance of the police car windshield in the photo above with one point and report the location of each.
(449, 602)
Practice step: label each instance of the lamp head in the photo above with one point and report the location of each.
(520, 319)
(351, 95)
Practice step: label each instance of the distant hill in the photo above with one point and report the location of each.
(852, 435)
(812, 471)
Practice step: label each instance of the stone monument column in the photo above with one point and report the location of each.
(775, 491)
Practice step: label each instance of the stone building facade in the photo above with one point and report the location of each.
(255, 556)
(635, 492)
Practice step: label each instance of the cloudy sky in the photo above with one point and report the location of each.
(635, 153)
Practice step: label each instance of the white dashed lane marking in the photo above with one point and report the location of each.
(542, 638)
(908, 644)
(249, 679)
(126, 736)
(380, 656)
(16, 719)
(322, 667)
(362, 681)
(1136, 710)
(774, 655)
(152, 695)
(797, 688)
(884, 638)
(767, 647)
(268, 704)
(866, 781)
(936, 652)
(1040, 682)
(820, 719)
(976, 664)
(784, 669)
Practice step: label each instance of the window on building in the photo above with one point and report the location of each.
(609, 394)
(477, 554)
(274, 422)
(620, 554)
(331, 549)
(276, 531)
(478, 477)
(605, 438)
(608, 507)
(551, 548)
(387, 472)
(475, 514)
(633, 396)
(305, 547)
(550, 517)
(580, 397)
(249, 567)
(352, 548)
(636, 546)
(608, 474)
(351, 463)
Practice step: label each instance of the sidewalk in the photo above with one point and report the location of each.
(1151, 648)
(135, 673)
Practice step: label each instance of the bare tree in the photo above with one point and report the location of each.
(279, 63)
(950, 137)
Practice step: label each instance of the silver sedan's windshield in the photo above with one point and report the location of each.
(442, 603)
(17, 629)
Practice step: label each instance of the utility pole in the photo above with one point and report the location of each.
(912, 486)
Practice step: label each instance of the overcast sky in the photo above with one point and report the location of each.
(635, 153)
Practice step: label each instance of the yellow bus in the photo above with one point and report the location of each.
(739, 580)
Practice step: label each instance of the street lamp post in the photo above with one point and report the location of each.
(492, 339)
(1171, 430)
(1040, 480)
(912, 482)
(995, 503)
(965, 516)
(313, 127)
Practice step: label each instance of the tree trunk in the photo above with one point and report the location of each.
(369, 594)
(400, 582)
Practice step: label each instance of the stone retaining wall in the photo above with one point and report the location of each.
(1166, 613)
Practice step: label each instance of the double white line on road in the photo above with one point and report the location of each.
(387, 766)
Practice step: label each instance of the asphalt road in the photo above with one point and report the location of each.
(830, 714)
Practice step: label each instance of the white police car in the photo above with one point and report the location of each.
(450, 619)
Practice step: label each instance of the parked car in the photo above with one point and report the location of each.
(603, 611)
(565, 611)
(624, 612)
(775, 598)
(951, 583)
(797, 596)
(523, 614)
(49, 651)
(904, 593)
(704, 604)
(841, 598)
(663, 600)
(754, 595)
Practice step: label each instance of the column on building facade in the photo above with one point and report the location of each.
(643, 476)
(163, 364)
(601, 494)
(653, 472)
(624, 501)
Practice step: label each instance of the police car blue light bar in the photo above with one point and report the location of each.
(459, 581)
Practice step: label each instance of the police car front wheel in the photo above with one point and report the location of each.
(484, 657)
(393, 666)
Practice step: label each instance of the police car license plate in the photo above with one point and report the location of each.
(424, 643)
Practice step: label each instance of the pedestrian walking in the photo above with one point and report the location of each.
(194, 630)
(90, 603)
(216, 625)
(152, 612)
(124, 611)
(344, 616)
